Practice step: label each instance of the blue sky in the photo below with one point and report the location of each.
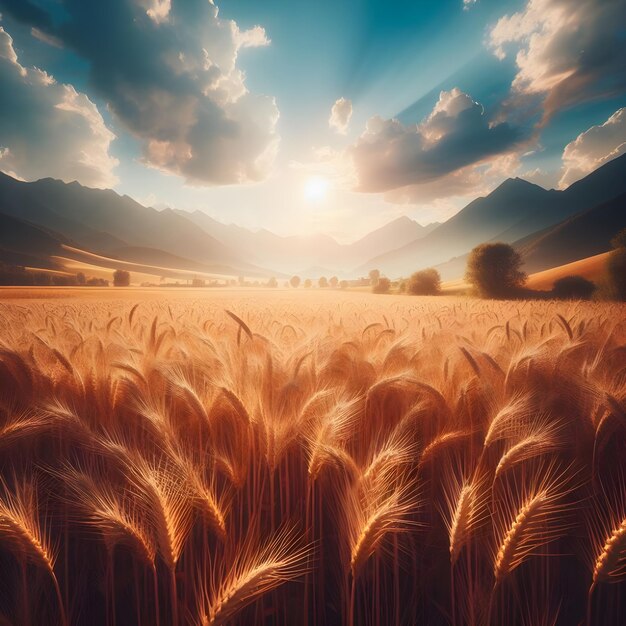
(177, 104)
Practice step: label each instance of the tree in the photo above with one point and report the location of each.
(494, 270)
(343, 284)
(334, 281)
(272, 282)
(573, 288)
(294, 281)
(616, 266)
(382, 286)
(198, 282)
(80, 278)
(322, 282)
(374, 276)
(619, 241)
(121, 278)
(425, 283)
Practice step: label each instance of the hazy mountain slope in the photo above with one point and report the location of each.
(582, 236)
(481, 220)
(511, 212)
(102, 220)
(585, 235)
(23, 243)
(292, 253)
(605, 183)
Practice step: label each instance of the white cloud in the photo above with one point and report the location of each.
(436, 154)
(172, 80)
(468, 4)
(566, 51)
(340, 115)
(594, 148)
(49, 129)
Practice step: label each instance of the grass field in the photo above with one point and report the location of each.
(285, 457)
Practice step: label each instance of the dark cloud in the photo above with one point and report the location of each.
(168, 71)
(456, 134)
(566, 51)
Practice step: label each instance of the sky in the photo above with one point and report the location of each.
(303, 117)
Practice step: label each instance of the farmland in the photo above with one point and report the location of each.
(310, 457)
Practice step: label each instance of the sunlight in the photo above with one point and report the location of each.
(316, 188)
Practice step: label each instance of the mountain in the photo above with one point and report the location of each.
(106, 223)
(292, 253)
(23, 243)
(511, 212)
(587, 234)
(103, 221)
(481, 220)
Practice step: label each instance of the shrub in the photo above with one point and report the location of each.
(294, 281)
(382, 285)
(425, 283)
(494, 270)
(322, 282)
(573, 288)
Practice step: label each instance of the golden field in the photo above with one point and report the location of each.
(310, 457)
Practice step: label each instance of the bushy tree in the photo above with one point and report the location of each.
(294, 281)
(322, 282)
(616, 266)
(382, 285)
(494, 270)
(374, 277)
(343, 284)
(80, 278)
(425, 283)
(121, 278)
(308, 283)
(272, 282)
(573, 288)
(334, 281)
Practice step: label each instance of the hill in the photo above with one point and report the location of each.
(585, 235)
(592, 268)
(23, 243)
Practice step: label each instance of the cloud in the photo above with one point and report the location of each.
(566, 52)
(456, 136)
(169, 74)
(49, 129)
(594, 148)
(340, 115)
(468, 4)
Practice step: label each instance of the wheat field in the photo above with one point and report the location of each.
(311, 459)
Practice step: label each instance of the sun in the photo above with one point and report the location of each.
(316, 188)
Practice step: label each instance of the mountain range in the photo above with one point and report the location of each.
(44, 219)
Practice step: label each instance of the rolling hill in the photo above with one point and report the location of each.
(584, 235)
(23, 243)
